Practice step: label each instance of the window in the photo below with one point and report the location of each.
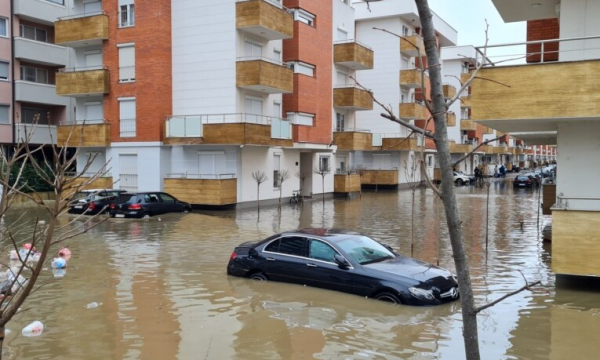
(292, 246)
(252, 50)
(341, 161)
(254, 109)
(276, 171)
(126, 63)
(59, 2)
(126, 13)
(3, 27)
(382, 161)
(32, 74)
(34, 116)
(320, 251)
(304, 16)
(3, 70)
(211, 164)
(405, 31)
(127, 115)
(167, 199)
(303, 68)
(339, 122)
(277, 109)
(4, 111)
(33, 33)
(324, 164)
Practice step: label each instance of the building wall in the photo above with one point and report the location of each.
(579, 18)
(543, 30)
(150, 170)
(5, 85)
(152, 88)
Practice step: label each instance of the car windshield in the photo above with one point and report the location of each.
(364, 250)
(82, 195)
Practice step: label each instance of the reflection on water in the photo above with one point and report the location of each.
(164, 293)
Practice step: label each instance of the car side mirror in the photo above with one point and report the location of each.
(341, 261)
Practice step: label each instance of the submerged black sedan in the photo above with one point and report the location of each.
(344, 261)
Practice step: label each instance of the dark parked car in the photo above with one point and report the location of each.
(146, 204)
(92, 202)
(344, 261)
(526, 180)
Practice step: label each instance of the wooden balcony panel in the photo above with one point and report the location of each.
(265, 20)
(410, 78)
(412, 45)
(89, 29)
(464, 77)
(408, 144)
(548, 198)
(351, 98)
(413, 111)
(215, 192)
(467, 125)
(575, 242)
(451, 119)
(99, 183)
(81, 83)
(354, 140)
(465, 102)
(264, 76)
(241, 134)
(449, 91)
(488, 149)
(83, 135)
(353, 55)
(460, 148)
(346, 183)
(488, 130)
(380, 177)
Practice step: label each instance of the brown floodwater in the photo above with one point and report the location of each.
(164, 293)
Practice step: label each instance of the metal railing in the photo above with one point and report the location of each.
(128, 21)
(88, 122)
(562, 202)
(347, 86)
(201, 176)
(100, 174)
(351, 41)
(82, 15)
(127, 127)
(271, 2)
(192, 125)
(263, 58)
(378, 138)
(82, 68)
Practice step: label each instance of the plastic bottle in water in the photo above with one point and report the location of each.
(34, 329)
(59, 263)
(92, 305)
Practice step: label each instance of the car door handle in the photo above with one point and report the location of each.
(270, 259)
(311, 265)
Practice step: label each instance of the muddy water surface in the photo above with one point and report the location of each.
(164, 293)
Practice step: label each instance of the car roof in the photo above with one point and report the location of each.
(323, 233)
(99, 190)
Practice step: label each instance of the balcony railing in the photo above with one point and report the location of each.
(93, 80)
(85, 133)
(82, 29)
(201, 176)
(264, 75)
(353, 54)
(352, 97)
(127, 127)
(412, 46)
(264, 18)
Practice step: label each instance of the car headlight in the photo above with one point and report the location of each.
(421, 293)
(455, 278)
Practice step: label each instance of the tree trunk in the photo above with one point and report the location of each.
(412, 225)
(448, 196)
(487, 223)
(323, 183)
(258, 199)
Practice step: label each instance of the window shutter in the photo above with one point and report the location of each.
(3, 70)
(125, 2)
(127, 109)
(127, 63)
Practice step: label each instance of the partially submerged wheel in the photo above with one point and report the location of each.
(388, 297)
(145, 216)
(459, 182)
(258, 276)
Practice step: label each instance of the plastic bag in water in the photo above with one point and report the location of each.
(36, 328)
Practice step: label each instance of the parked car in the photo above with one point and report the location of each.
(92, 202)
(146, 204)
(460, 178)
(526, 180)
(344, 261)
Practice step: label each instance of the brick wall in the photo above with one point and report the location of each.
(152, 87)
(312, 45)
(543, 30)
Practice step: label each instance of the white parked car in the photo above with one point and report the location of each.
(460, 178)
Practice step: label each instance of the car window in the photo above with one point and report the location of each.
(273, 247)
(319, 250)
(167, 198)
(365, 250)
(151, 198)
(291, 245)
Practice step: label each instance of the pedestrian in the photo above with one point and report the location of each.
(495, 171)
(478, 177)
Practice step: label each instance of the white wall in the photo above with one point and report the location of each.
(150, 169)
(579, 18)
(204, 57)
(184, 159)
(451, 71)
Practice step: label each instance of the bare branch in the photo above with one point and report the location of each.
(475, 150)
(523, 288)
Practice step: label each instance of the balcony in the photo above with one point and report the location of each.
(411, 46)
(410, 78)
(575, 240)
(199, 189)
(39, 11)
(487, 130)
(487, 149)
(93, 134)
(105, 181)
(397, 142)
(82, 82)
(264, 75)
(459, 148)
(228, 129)
(498, 150)
(449, 91)
(82, 30)
(413, 111)
(352, 98)
(353, 55)
(465, 101)
(36, 134)
(38, 93)
(38, 52)
(353, 140)
(264, 19)
(346, 183)
(450, 119)
(380, 177)
(468, 125)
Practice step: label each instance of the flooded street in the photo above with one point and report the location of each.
(164, 293)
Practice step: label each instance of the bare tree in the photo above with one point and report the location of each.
(260, 177)
(283, 176)
(20, 279)
(323, 169)
(302, 177)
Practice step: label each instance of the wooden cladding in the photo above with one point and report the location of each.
(566, 90)
(99, 183)
(465, 102)
(410, 78)
(548, 198)
(353, 140)
(413, 111)
(412, 45)
(346, 183)
(400, 144)
(264, 76)
(380, 177)
(83, 135)
(575, 240)
(352, 98)
(459, 148)
(468, 125)
(449, 91)
(264, 19)
(81, 29)
(203, 191)
(232, 134)
(488, 130)
(353, 55)
(450, 119)
(90, 82)
(498, 150)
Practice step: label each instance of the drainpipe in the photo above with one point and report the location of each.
(12, 63)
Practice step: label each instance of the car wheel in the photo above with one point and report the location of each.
(258, 276)
(186, 210)
(388, 297)
(459, 182)
(145, 216)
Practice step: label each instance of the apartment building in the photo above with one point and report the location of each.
(29, 61)
(553, 100)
